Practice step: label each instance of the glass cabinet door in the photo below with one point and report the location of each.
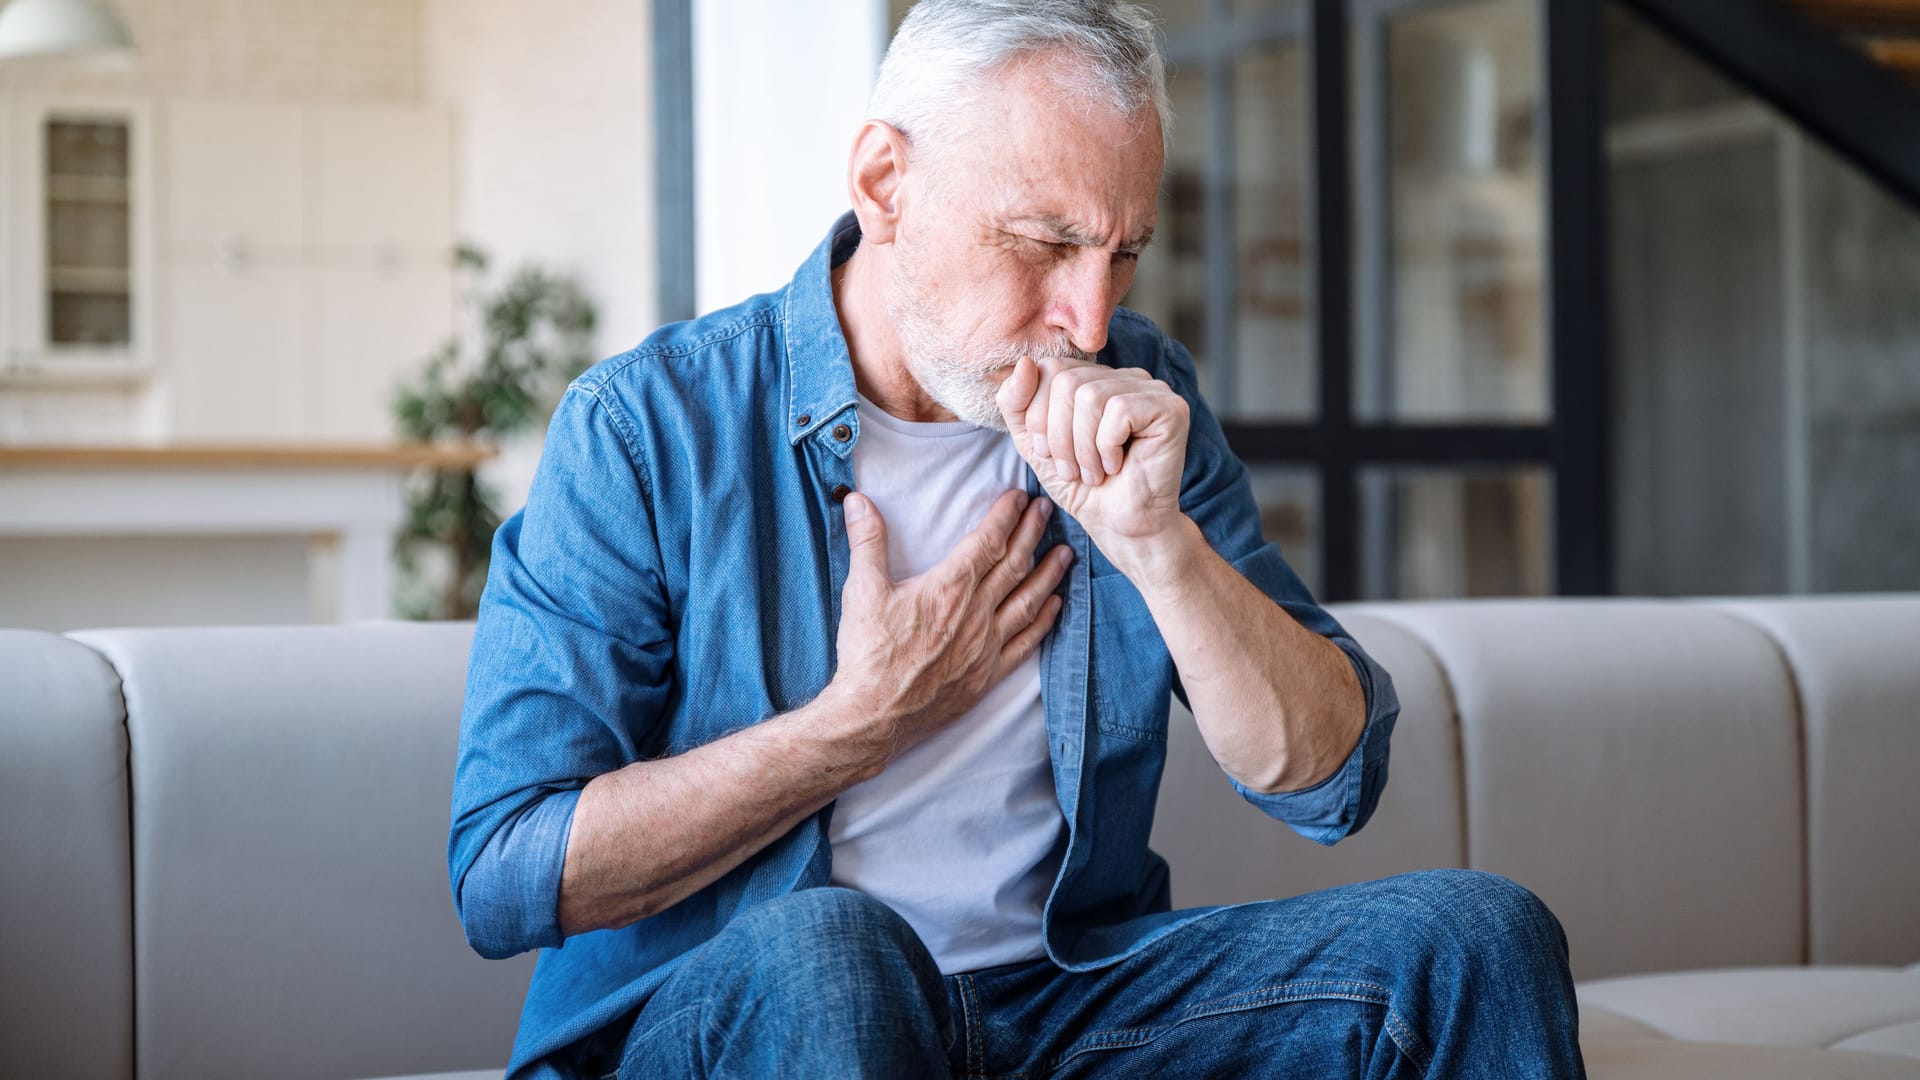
(89, 236)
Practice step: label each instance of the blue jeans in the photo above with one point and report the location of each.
(1442, 973)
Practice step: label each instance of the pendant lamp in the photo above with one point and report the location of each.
(59, 28)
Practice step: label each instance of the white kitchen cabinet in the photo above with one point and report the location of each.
(383, 181)
(236, 180)
(373, 325)
(308, 265)
(77, 269)
(238, 350)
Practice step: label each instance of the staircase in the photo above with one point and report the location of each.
(1886, 30)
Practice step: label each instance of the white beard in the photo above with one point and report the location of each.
(951, 368)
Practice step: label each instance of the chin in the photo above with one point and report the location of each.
(982, 412)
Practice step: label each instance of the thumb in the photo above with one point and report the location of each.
(866, 537)
(1015, 394)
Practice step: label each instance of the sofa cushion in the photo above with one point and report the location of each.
(1856, 1008)
(1660, 1059)
(1853, 662)
(1637, 765)
(292, 915)
(66, 949)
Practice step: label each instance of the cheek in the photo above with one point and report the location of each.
(1002, 296)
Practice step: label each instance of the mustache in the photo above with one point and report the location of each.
(1005, 355)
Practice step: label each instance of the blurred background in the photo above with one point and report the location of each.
(1495, 297)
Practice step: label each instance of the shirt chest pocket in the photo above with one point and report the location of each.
(1130, 670)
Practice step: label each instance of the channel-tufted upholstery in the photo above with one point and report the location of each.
(223, 848)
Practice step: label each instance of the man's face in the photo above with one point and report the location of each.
(1021, 239)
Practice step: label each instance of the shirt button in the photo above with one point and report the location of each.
(842, 432)
(803, 419)
(840, 492)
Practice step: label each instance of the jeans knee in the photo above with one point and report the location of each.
(1490, 919)
(827, 936)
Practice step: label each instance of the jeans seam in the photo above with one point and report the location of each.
(976, 1054)
(1284, 993)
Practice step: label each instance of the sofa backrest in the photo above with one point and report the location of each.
(1856, 671)
(1686, 784)
(66, 948)
(291, 911)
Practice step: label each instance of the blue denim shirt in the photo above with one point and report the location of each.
(676, 575)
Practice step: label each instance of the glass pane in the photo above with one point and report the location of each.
(1859, 374)
(1289, 501)
(1262, 7)
(1275, 366)
(1180, 14)
(79, 318)
(1665, 78)
(1170, 284)
(88, 225)
(1464, 337)
(1434, 534)
(1766, 335)
(87, 149)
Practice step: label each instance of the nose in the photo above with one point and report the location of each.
(1084, 294)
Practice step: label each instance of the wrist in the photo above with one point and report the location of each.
(1161, 559)
(852, 733)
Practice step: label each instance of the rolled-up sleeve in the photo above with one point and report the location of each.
(1216, 493)
(1339, 805)
(569, 671)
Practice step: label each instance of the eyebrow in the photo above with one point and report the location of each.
(1067, 232)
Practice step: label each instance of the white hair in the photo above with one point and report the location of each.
(946, 49)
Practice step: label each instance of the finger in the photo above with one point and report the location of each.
(1018, 609)
(1060, 397)
(1022, 644)
(1091, 403)
(978, 551)
(866, 539)
(1035, 420)
(1126, 416)
(1110, 438)
(1015, 394)
(1020, 549)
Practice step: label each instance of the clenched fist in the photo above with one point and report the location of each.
(1108, 444)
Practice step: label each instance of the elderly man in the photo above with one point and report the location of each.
(819, 694)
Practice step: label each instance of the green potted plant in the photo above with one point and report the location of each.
(500, 374)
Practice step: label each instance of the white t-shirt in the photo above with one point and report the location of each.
(960, 834)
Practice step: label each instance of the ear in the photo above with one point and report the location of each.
(875, 174)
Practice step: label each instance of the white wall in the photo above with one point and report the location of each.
(780, 87)
(277, 50)
(554, 154)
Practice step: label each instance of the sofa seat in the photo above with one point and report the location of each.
(1665, 1059)
(1825, 1021)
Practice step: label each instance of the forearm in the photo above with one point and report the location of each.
(649, 835)
(1278, 705)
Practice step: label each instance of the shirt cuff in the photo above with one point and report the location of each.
(510, 898)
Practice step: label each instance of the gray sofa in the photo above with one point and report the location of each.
(222, 849)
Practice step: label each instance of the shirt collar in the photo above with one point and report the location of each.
(819, 368)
